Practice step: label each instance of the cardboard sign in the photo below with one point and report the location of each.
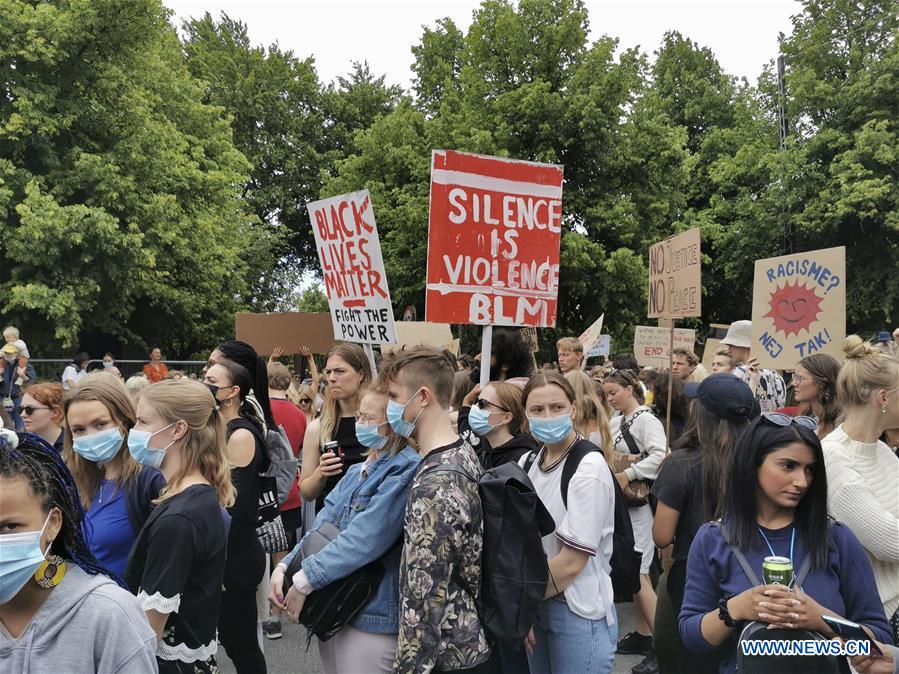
(493, 241)
(413, 333)
(799, 307)
(289, 330)
(591, 335)
(651, 344)
(602, 347)
(529, 335)
(349, 251)
(675, 285)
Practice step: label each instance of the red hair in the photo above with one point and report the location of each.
(50, 394)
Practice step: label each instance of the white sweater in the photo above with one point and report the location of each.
(649, 434)
(863, 493)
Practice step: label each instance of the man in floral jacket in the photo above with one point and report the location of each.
(440, 569)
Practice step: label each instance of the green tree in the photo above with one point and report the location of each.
(312, 300)
(275, 101)
(118, 207)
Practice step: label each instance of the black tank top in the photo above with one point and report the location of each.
(245, 511)
(352, 454)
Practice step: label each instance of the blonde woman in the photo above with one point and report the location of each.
(178, 562)
(347, 372)
(591, 420)
(862, 471)
(116, 491)
(368, 506)
(302, 396)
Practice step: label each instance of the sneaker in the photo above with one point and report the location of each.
(271, 628)
(647, 666)
(635, 643)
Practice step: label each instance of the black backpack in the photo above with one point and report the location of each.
(625, 560)
(514, 571)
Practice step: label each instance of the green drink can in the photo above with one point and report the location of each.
(778, 570)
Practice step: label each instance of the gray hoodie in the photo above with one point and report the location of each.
(87, 624)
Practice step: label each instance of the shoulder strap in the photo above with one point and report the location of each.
(741, 558)
(580, 449)
(626, 433)
(528, 462)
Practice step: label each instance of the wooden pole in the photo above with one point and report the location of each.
(668, 406)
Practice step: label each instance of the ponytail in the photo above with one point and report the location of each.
(245, 355)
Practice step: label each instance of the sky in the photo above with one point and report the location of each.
(741, 33)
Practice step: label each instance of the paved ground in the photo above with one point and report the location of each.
(287, 655)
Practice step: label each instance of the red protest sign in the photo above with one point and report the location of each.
(493, 240)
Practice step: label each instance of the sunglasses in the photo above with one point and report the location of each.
(784, 420)
(305, 401)
(484, 404)
(28, 410)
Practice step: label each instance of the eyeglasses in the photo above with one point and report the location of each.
(483, 404)
(305, 401)
(28, 410)
(798, 379)
(784, 420)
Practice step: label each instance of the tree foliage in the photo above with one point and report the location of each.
(117, 203)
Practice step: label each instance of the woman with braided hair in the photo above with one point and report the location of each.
(60, 610)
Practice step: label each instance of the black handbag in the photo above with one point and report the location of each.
(328, 610)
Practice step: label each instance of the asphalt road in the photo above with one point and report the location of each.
(288, 654)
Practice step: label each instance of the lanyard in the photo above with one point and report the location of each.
(792, 543)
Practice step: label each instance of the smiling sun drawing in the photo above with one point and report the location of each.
(794, 308)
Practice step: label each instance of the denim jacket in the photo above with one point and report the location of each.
(369, 513)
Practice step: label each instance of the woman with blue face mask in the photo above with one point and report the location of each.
(577, 627)
(491, 420)
(116, 491)
(60, 610)
(178, 562)
(368, 506)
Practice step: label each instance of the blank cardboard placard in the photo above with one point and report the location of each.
(493, 240)
(799, 307)
(675, 277)
(349, 250)
(418, 333)
(289, 330)
(651, 344)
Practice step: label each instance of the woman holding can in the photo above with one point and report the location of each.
(776, 506)
(348, 373)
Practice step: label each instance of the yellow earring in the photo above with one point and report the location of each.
(49, 574)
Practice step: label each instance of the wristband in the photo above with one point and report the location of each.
(723, 613)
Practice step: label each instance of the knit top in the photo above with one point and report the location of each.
(863, 493)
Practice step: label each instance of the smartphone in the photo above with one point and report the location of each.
(850, 631)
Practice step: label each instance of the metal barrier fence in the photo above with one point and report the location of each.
(50, 369)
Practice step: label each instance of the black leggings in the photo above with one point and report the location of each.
(237, 615)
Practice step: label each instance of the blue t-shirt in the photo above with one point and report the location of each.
(845, 585)
(110, 531)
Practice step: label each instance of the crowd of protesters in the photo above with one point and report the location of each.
(135, 533)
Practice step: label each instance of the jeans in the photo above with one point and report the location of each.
(569, 644)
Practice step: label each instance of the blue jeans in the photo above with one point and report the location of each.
(569, 644)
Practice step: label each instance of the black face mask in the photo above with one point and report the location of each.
(213, 389)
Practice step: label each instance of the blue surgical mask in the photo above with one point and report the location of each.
(20, 555)
(368, 436)
(479, 420)
(395, 413)
(99, 447)
(138, 442)
(107, 365)
(552, 430)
